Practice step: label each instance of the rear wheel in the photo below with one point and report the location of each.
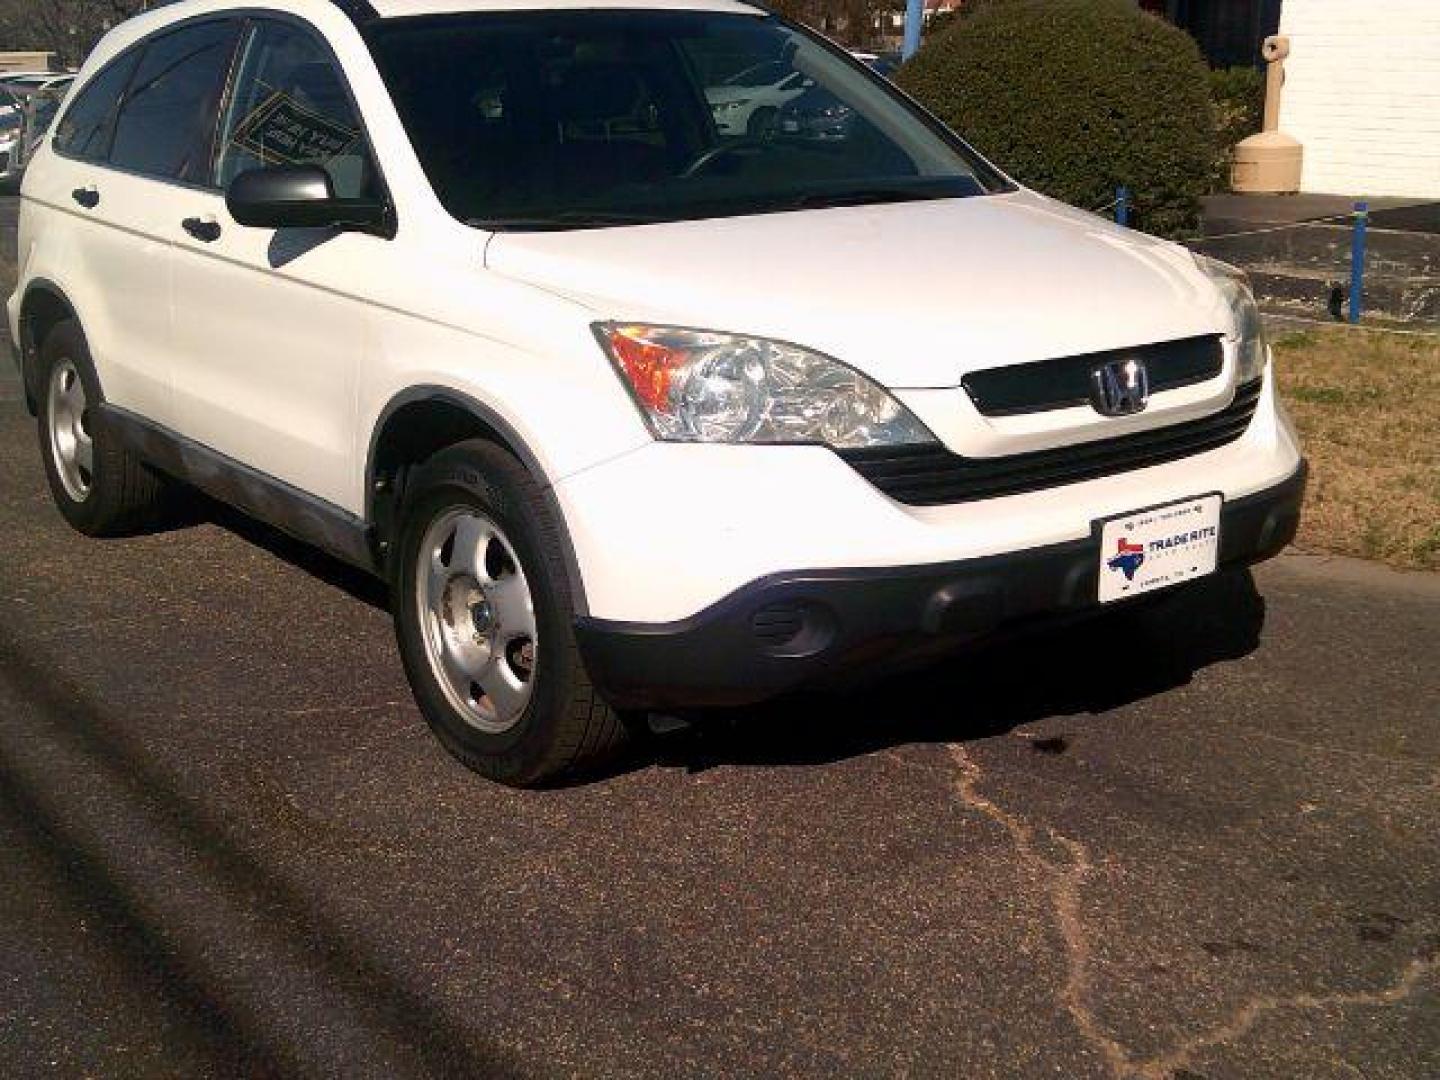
(99, 486)
(484, 618)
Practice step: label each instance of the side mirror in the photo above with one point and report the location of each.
(300, 197)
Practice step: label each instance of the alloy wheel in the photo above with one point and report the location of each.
(71, 446)
(477, 617)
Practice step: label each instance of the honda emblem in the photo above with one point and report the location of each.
(1120, 387)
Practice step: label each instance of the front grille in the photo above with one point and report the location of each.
(1065, 381)
(933, 476)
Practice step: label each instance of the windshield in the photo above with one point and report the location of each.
(576, 119)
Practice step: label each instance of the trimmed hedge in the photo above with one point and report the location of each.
(1239, 97)
(1076, 98)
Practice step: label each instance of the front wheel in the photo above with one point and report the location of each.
(484, 618)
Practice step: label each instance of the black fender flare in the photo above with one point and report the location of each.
(30, 348)
(509, 438)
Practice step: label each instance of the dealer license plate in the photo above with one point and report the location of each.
(1154, 549)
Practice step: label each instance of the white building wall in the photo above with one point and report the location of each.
(1362, 94)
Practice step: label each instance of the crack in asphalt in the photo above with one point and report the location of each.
(1249, 1014)
(1063, 881)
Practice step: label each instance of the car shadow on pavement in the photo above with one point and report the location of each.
(1086, 668)
(359, 584)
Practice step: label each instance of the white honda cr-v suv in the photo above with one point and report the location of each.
(633, 413)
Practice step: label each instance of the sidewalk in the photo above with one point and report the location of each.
(1297, 249)
(1231, 212)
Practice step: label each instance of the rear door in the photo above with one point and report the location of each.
(103, 225)
(268, 340)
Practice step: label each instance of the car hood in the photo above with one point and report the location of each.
(913, 294)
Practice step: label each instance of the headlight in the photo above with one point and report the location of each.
(729, 106)
(1249, 334)
(697, 386)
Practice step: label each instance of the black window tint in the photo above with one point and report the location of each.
(291, 107)
(166, 125)
(579, 118)
(84, 130)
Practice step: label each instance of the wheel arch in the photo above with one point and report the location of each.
(419, 422)
(44, 307)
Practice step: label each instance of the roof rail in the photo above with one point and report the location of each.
(360, 11)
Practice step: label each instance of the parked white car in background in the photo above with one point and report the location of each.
(749, 102)
(11, 129)
(631, 410)
(37, 100)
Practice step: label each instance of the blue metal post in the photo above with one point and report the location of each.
(1357, 261)
(1122, 206)
(914, 22)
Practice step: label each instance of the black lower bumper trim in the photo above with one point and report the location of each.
(797, 628)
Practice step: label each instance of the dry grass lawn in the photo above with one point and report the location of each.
(1368, 408)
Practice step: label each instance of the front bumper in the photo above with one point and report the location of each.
(791, 629)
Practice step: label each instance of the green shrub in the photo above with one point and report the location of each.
(938, 23)
(1076, 98)
(1239, 97)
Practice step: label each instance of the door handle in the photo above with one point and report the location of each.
(88, 197)
(206, 230)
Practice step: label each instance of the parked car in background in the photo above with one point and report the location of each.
(24, 83)
(748, 103)
(817, 116)
(39, 103)
(41, 109)
(11, 131)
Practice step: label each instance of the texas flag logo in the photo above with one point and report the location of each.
(1127, 559)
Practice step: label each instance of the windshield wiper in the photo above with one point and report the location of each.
(564, 218)
(814, 200)
(577, 217)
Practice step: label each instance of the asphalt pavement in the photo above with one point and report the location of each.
(1195, 843)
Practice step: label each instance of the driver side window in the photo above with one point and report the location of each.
(291, 107)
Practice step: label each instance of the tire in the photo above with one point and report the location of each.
(478, 550)
(100, 487)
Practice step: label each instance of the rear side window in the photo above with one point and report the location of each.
(84, 130)
(166, 125)
(291, 107)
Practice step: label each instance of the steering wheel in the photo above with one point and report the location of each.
(706, 158)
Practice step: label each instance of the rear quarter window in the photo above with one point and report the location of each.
(84, 130)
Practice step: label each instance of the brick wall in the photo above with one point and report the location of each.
(1362, 93)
